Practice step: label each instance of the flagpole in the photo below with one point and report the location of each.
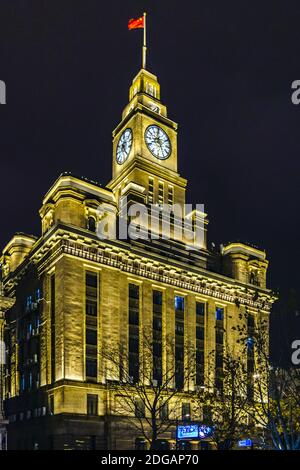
(144, 44)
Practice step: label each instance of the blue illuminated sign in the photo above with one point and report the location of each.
(194, 431)
(187, 432)
(245, 443)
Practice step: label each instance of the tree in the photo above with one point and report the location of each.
(275, 402)
(148, 404)
(224, 406)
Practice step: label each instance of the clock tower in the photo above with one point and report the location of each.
(145, 147)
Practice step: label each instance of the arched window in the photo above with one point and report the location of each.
(92, 224)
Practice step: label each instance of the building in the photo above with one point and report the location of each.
(5, 304)
(79, 296)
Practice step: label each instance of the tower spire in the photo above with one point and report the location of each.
(144, 41)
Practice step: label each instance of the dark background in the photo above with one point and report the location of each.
(225, 69)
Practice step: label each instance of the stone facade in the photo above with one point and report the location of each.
(5, 304)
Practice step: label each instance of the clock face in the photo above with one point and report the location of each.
(124, 146)
(158, 142)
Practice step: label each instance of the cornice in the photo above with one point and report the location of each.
(185, 277)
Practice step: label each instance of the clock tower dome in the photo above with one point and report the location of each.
(145, 146)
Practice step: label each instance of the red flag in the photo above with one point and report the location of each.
(136, 23)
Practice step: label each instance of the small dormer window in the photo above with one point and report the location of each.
(154, 107)
(253, 278)
(91, 224)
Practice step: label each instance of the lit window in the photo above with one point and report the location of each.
(179, 303)
(250, 343)
(219, 313)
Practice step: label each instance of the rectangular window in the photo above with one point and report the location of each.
(91, 280)
(91, 337)
(219, 360)
(92, 405)
(170, 195)
(179, 341)
(200, 342)
(219, 336)
(133, 331)
(133, 316)
(179, 328)
(91, 308)
(200, 309)
(219, 313)
(52, 315)
(157, 297)
(150, 89)
(250, 323)
(164, 412)
(91, 368)
(179, 303)
(186, 411)
(91, 325)
(151, 190)
(22, 382)
(160, 192)
(51, 404)
(200, 332)
(250, 355)
(219, 341)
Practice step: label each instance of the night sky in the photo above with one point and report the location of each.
(225, 70)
